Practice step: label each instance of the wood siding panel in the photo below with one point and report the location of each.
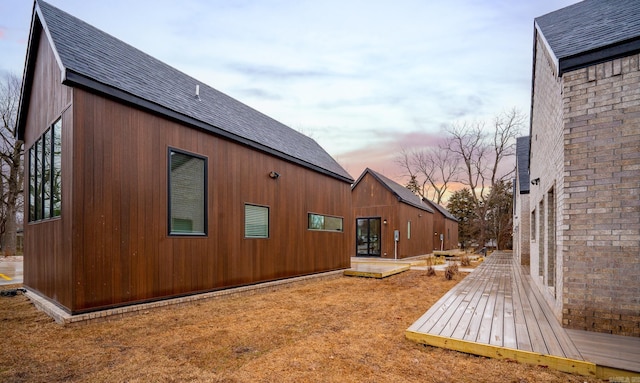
(126, 254)
(47, 244)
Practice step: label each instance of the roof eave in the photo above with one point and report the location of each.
(599, 55)
(78, 80)
(38, 24)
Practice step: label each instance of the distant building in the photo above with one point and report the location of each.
(384, 209)
(445, 227)
(521, 219)
(584, 165)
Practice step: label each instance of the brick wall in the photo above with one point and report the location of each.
(521, 228)
(546, 163)
(601, 214)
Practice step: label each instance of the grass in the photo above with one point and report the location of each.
(340, 330)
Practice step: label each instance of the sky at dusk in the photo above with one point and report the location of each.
(364, 78)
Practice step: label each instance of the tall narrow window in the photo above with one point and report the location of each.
(33, 191)
(256, 221)
(56, 172)
(551, 240)
(408, 229)
(541, 238)
(187, 193)
(324, 222)
(533, 226)
(45, 175)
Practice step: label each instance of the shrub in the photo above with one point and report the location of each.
(431, 271)
(465, 261)
(451, 271)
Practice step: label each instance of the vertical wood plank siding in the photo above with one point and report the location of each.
(125, 253)
(111, 246)
(47, 244)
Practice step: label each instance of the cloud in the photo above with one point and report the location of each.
(3, 32)
(259, 93)
(276, 73)
(382, 154)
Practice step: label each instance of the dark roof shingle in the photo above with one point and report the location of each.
(590, 27)
(97, 60)
(441, 209)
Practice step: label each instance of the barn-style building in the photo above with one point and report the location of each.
(391, 221)
(144, 183)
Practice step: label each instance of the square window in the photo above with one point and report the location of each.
(256, 221)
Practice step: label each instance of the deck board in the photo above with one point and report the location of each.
(497, 312)
(622, 352)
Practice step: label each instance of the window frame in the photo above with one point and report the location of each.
(44, 203)
(533, 225)
(341, 230)
(268, 210)
(205, 200)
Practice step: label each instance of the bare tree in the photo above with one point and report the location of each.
(11, 152)
(430, 171)
(483, 152)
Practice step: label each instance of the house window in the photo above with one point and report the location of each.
(187, 193)
(256, 221)
(324, 222)
(533, 225)
(45, 169)
(408, 229)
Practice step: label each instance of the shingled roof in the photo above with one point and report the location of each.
(94, 60)
(402, 193)
(591, 31)
(441, 209)
(522, 160)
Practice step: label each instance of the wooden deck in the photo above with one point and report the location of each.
(495, 312)
(379, 270)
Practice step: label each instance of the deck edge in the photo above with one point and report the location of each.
(527, 357)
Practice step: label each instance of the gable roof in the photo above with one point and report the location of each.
(402, 193)
(92, 59)
(591, 31)
(522, 163)
(441, 209)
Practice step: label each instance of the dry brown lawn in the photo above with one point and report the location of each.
(340, 330)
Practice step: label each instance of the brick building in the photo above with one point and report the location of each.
(521, 227)
(584, 165)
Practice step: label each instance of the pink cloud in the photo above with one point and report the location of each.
(2, 33)
(382, 155)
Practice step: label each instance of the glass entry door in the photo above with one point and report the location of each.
(368, 237)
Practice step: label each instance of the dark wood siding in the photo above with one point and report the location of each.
(371, 199)
(438, 227)
(47, 244)
(122, 251)
(448, 228)
(451, 234)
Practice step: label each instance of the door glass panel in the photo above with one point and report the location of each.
(362, 236)
(374, 236)
(368, 237)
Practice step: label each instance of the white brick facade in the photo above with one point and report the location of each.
(585, 148)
